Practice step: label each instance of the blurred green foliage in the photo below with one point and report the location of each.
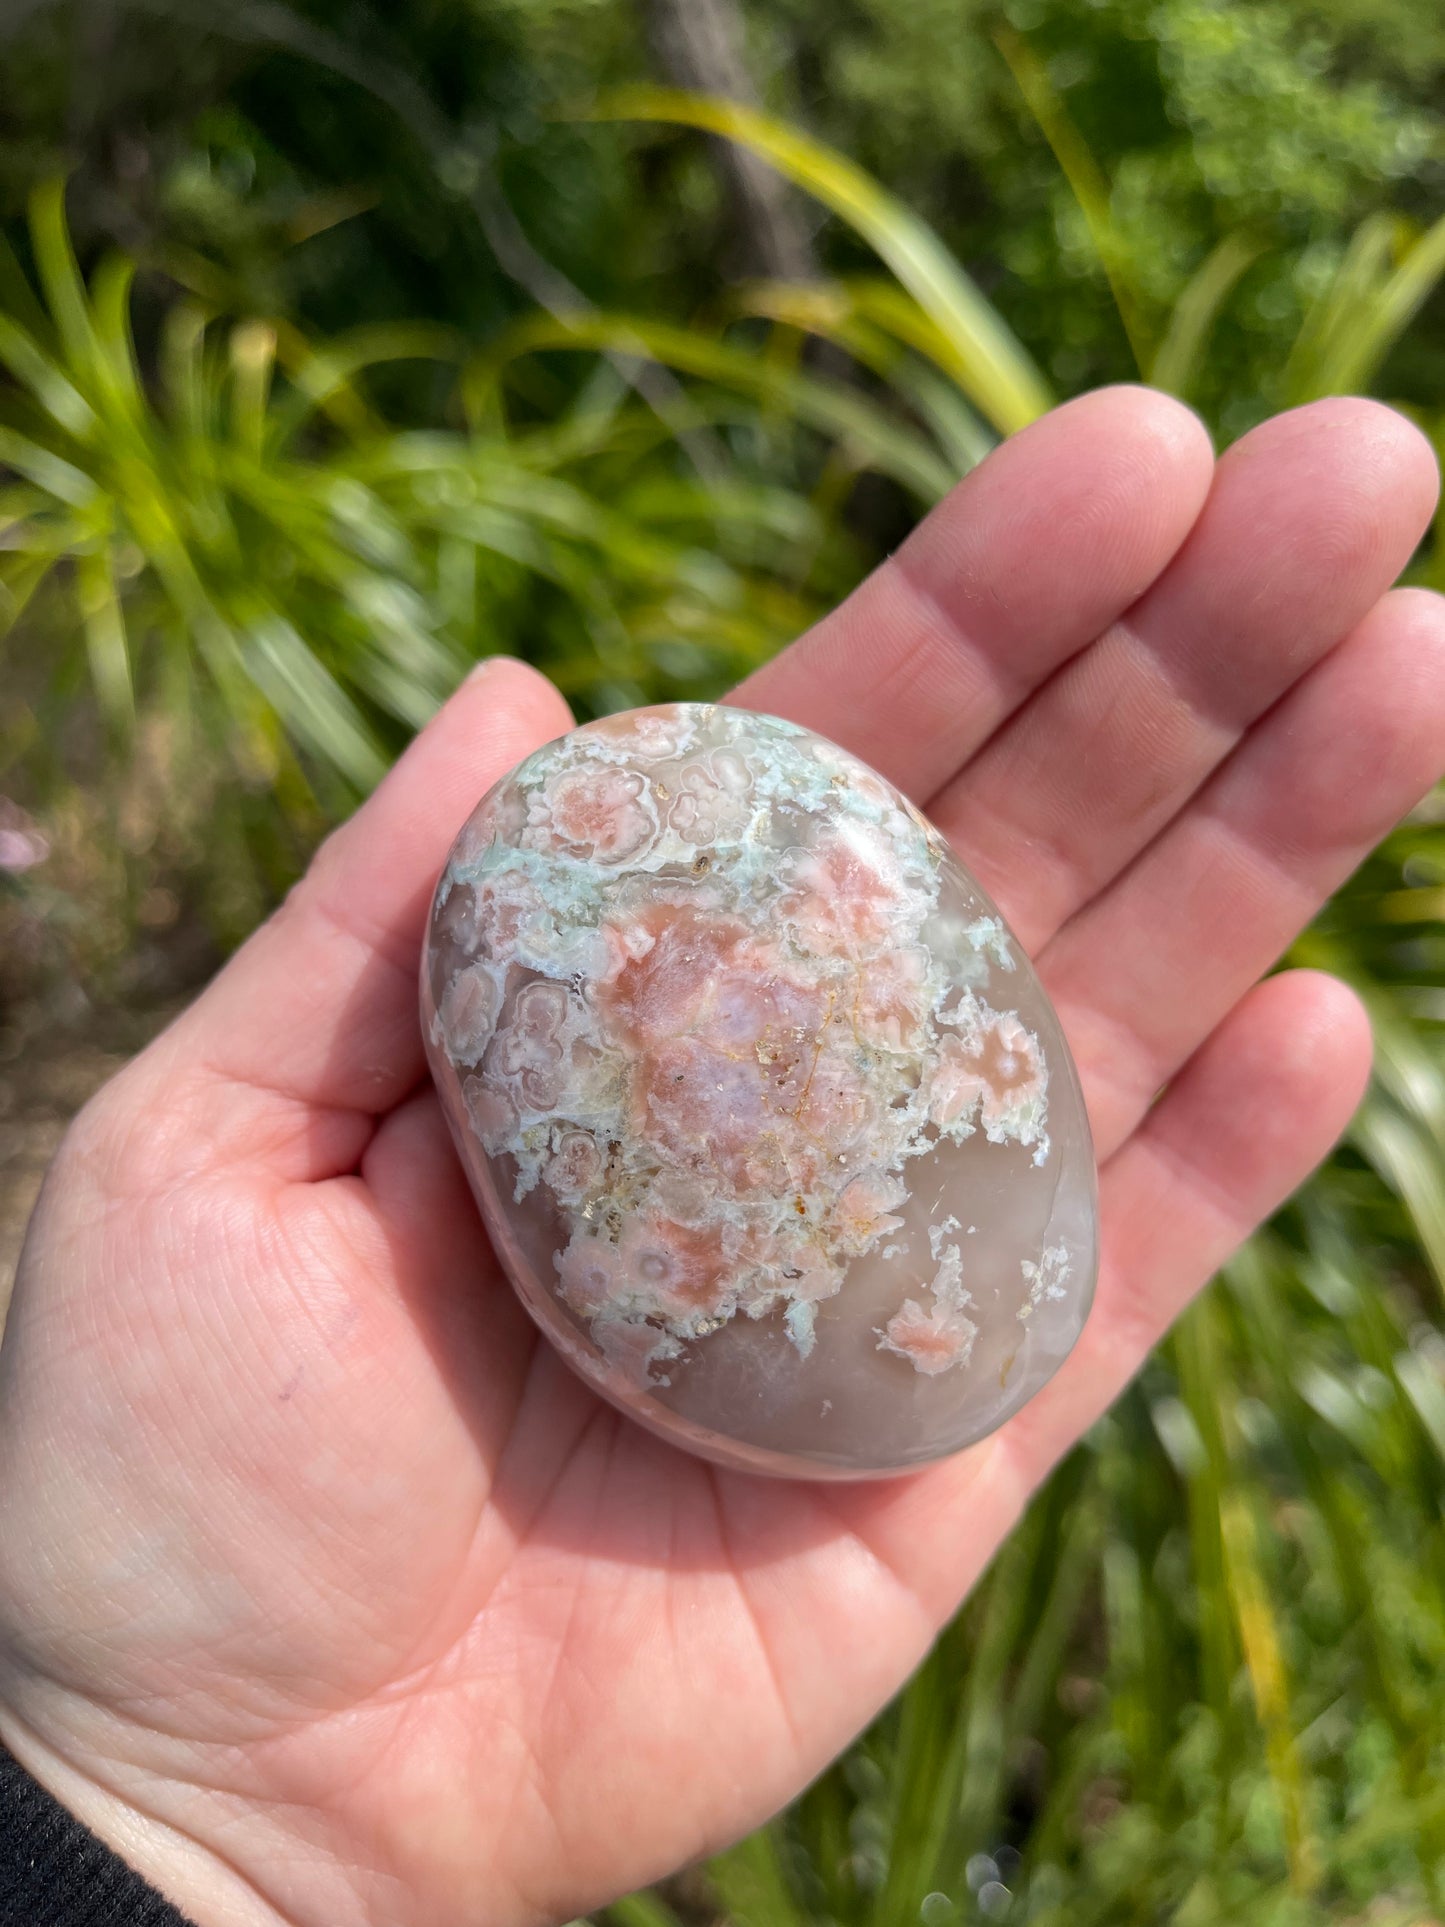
(1290, 118)
(445, 339)
(304, 575)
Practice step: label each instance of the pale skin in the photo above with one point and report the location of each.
(327, 1595)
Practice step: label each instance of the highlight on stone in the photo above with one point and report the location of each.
(771, 1123)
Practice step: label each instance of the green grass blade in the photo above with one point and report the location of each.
(825, 307)
(1379, 315)
(641, 1910)
(388, 685)
(869, 432)
(1074, 1536)
(322, 376)
(1262, 1644)
(1194, 1346)
(1259, 1277)
(61, 400)
(1084, 176)
(1400, 1127)
(308, 699)
(105, 638)
(989, 362)
(876, 323)
(1409, 1162)
(20, 577)
(962, 438)
(1335, 310)
(48, 471)
(63, 287)
(924, 1771)
(752, 1885)
(1180, 358)
(110, 316)
(1425, 1392)
(183, 368)
(253, 360)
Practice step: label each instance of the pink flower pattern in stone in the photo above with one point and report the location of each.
(675, 1270)
(891, 1011)
(715, 1076)
(507, 903)
(574, 1169)
(647, 735)
(597, 811)
(529, 1055)
(848, 892)
(468, 1014)
(713, 798)
(932, 1339)
(866, 1210)
(491, 1113)
(590, 1273)
(995, 1068)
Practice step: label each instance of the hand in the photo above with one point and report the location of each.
(327, 1594)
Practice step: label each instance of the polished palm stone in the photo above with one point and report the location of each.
(769, 1118)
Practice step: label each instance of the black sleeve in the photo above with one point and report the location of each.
(55, 1873)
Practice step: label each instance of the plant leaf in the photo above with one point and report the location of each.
(989, 362)
(105, 637)
(1180, 357)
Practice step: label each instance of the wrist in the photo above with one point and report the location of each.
(192, 1877)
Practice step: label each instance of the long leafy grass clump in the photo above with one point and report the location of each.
(249, 543)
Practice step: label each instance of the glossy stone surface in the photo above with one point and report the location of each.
(769, 1118)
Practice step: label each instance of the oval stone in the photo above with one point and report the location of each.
(768, 1116)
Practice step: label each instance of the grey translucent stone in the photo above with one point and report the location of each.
(770, 1120)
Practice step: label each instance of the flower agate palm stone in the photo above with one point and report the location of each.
(771, 1123)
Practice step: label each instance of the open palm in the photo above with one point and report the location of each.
(327, 1593)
